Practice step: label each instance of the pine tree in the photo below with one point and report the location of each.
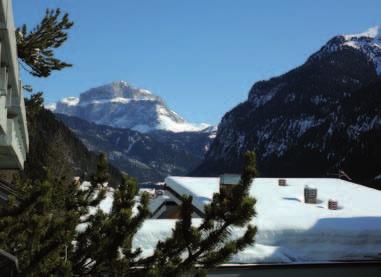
(35, 48)
(53, 231)
(106, 244)
(48, 152)
(209, 244)
(37, 227)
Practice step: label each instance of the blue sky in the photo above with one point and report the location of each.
(200, 56)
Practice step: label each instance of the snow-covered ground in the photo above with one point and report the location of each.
(288, 229)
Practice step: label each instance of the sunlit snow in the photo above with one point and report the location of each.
(290, 230)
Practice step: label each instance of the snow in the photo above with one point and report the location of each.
(200, 188)
(51, 106)
(318, 100)
(288, 229)
(370, 46)
(303, 124)
(370, 33)
(121, 100)
(118, 100)
(167, 123)
(145, 91)
(142, 128)
(259, 99)
(156, 202)
(70, 101)
(105, 205)
(132, 142)
(368, 42)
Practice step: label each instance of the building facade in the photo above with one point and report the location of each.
(14, 142)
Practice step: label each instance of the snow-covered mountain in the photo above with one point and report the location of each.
(123, 106)
(320, 117)
(368, 42)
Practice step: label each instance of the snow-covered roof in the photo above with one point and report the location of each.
(201, 189)
(288, 229)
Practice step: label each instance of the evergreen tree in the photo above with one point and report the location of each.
(35, 48)
(48, 151)
(209, 244)
(59, 229)
(106, 244)
(38, 227)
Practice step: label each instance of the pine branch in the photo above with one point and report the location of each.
(35, 48)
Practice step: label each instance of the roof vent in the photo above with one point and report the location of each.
(332, 204)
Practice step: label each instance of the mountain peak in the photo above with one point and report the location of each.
(119, 104)
(117, 90)
(124, 84)
(368, 43)
(372, 33)
(121, 82)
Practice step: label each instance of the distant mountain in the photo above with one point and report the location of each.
(312, 121)
(121, 105)
(148, 157)
(54, 147)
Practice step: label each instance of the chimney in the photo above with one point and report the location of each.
(310, 195)
(227, 181)
(332, 204)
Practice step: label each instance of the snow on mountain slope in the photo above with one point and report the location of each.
(319, 117)
(123, 106)
(368, 42)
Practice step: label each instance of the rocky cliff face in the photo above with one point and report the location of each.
(312, 121)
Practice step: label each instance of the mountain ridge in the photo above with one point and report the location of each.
(301, 123)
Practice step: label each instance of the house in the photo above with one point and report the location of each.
(290, 231)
